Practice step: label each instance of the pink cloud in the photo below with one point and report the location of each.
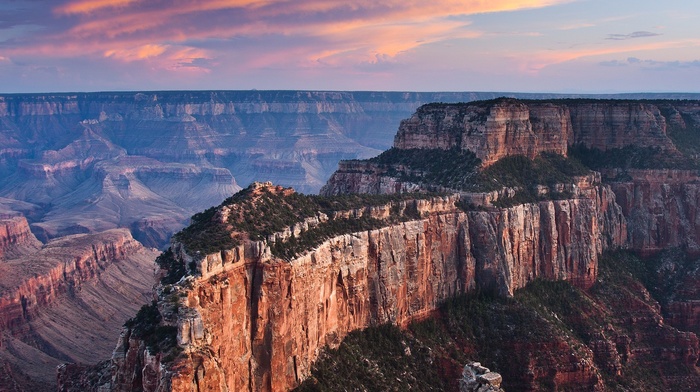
(89, 6)
(130, 30)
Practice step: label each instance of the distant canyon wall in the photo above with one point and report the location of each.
(493, 130)
(147, 161)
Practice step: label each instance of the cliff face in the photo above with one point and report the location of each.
(606, 126)
(256, 322)
(662, 209)
(501, 128)
(59, 267)
(549, 336)
(16, 238)
(492, 132)
(249, 320)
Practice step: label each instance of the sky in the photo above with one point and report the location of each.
(559, 46)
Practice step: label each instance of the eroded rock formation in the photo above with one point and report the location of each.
(255, 321)
(16, 238)
(495, 129)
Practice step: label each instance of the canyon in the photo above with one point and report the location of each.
(89, 163)
(244, 317)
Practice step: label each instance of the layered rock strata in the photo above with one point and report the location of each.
(662, 208)
(37, 280)
(16, 238)
(495, 129)
(253, 321)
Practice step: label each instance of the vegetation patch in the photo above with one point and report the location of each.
(518, 171)
(309, 239)
(272, 212)
(630, 157)
(686, 139)
(174, 268)
(381, 358)
(454, 168)
(206, 234)
(257, 212)
(459, 170)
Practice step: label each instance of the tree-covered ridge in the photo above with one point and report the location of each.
(259, 211)
(454, 168)
(519, 171)
(159, 337)
(314, 236)
(632, 157)
(461, 170)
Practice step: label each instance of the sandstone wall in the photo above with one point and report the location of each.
(661, 207)
(506, 127)
(492, 132)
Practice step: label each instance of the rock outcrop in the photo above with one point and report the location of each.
(16, 238)
(662, 207)
(492, 131)
(253, 321)
(476, 378)
(37, 280)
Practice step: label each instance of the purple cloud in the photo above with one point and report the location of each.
(636, 34)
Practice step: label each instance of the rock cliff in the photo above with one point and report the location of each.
(16, 238)
(495, 129)
(662, 209)
(254, 321)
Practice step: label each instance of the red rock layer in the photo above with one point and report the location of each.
(683, 311)
(34, 281)
(662, 209)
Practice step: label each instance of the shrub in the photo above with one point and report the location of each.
(206, 234)
(259, 215)
(174, 268)
(146, 326)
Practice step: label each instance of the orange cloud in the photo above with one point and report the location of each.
(88, 6)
